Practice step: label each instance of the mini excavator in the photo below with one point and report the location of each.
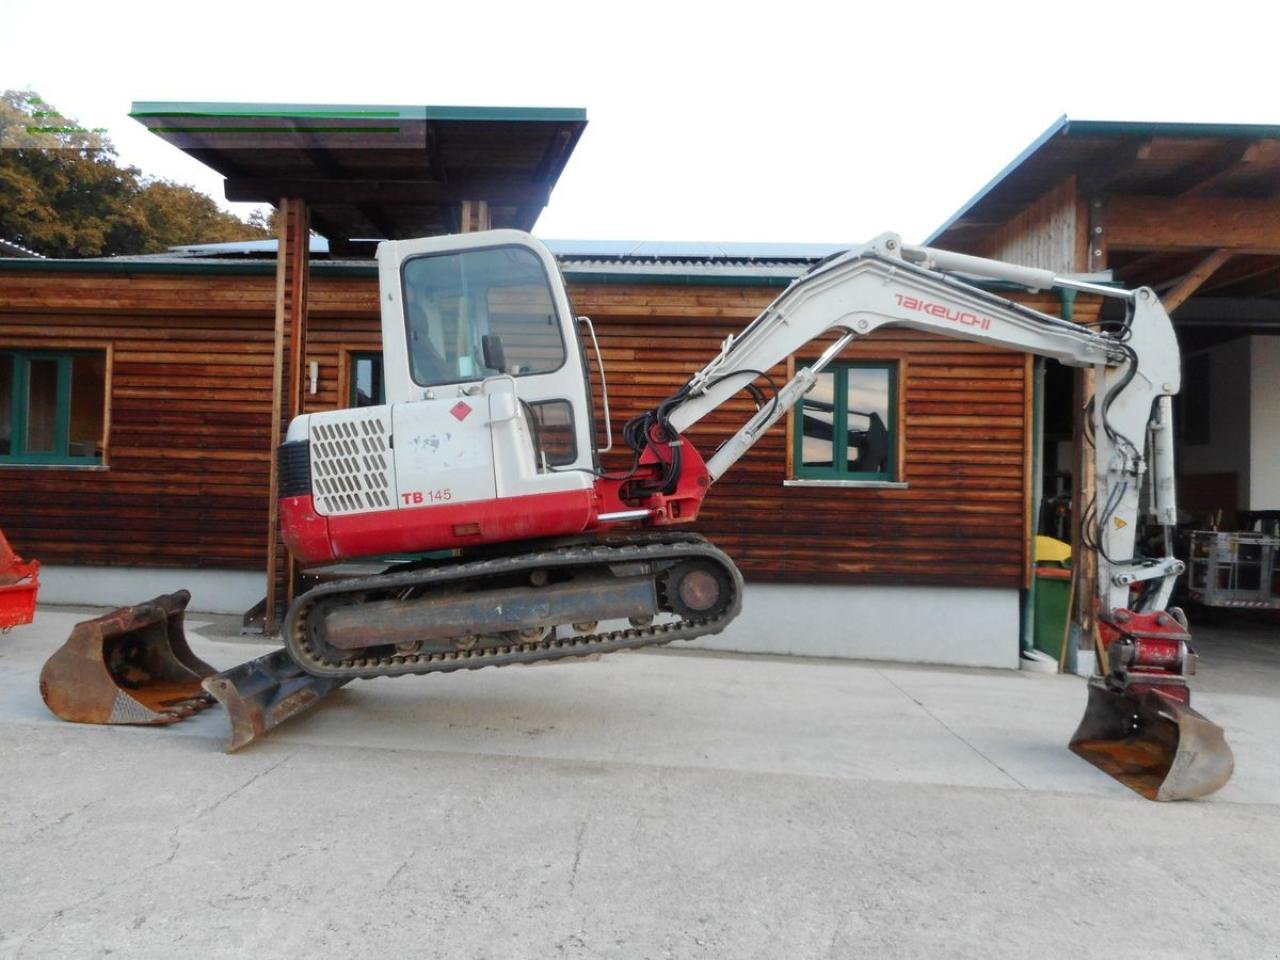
(486, 453)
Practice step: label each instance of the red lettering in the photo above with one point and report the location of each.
(962, 317)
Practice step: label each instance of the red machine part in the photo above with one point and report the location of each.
(1149, 651)
(679, 506)
(19, 583)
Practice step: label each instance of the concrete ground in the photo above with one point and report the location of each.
(642, 805)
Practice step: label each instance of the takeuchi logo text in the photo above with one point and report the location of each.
(962, 317)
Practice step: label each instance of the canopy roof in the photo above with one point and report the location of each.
(371, 172)
(1187, 172)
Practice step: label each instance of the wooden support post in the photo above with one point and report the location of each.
(1083, 458)
(292, 274)
(473, 215)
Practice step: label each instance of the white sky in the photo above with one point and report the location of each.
(707, 121)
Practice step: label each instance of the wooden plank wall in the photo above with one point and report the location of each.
(190, 414)
(964, 411)
(1043, 235)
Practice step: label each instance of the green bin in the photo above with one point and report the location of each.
(1053, 594)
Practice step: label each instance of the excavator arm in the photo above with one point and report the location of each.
(888, 283)
(1139, 725)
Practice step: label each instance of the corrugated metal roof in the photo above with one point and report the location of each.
(595, 259)
(687, 250)
(10, 249)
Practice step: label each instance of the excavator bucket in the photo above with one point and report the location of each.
(19, 583)
(1152, 743)
(129, 666)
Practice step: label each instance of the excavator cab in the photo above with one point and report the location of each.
(487, 402)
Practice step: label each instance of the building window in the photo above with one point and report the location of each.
(366, 380)
(846, 426)
(52, 406)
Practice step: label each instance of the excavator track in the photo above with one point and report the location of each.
(641, 556)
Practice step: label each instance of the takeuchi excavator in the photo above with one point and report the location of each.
(485, 459)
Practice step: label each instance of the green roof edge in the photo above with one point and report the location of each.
(146, 108)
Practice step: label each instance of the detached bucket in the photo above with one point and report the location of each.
(1153, 744)
(129, 666)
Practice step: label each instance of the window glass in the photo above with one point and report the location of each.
(452, 301)
(554, 436)
(52, 406)
(867, 415)
(847, 424)
(817, 446)
(42, 405)
(88, 387)
(6, 404)
(366, 380)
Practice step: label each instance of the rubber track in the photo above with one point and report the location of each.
(642, 547)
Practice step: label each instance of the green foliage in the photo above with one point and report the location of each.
(63, 193)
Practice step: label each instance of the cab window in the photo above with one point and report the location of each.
(453, 301)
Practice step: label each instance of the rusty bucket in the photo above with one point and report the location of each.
(129, 666)
(1152, 743)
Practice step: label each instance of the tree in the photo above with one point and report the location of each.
(63, 193)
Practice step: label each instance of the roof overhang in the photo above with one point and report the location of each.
(1123, 157)
(373, 172)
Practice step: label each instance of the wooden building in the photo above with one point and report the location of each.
(150, 469)
(169, 476)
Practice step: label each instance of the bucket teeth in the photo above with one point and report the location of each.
(1152, 743)
(131, 666)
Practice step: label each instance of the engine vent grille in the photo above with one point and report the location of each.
(351, 464)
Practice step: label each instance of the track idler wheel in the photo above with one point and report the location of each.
(698, 589)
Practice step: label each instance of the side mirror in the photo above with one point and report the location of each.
(494, 356)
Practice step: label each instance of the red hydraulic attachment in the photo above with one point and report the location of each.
(19, 583)
(1138, 725)
(681, 505)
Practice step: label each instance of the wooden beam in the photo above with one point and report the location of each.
(1099, 173)
(1202, 177)
(1192, 281)
(1186, 223)
(1229, 279)
(410, 192)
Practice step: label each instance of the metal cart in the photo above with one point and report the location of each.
(1237, 570)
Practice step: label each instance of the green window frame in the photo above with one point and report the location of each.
(840, 411)
(60, 447)
(379, 395)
